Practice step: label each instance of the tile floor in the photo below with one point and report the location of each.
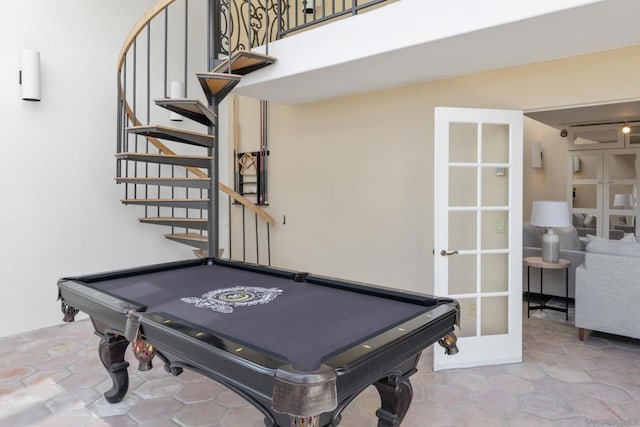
(53, 377)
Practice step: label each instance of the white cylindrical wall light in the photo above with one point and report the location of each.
(536, 155)
(576, 163)
(30, 75)
(176, 91)
(309, 6)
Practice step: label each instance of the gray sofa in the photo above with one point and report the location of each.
(608, 289)
(553, 280)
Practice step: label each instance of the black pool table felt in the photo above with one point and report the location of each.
(304, 325)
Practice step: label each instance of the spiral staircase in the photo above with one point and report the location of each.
(172, 173)
(163, 180)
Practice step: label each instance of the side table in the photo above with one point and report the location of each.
(538, 262)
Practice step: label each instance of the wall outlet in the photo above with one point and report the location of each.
(473, 309)
(500, 227)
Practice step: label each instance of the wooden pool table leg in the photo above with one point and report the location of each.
(312, 421)
(396, 394)
(111, 350)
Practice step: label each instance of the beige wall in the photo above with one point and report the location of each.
(354, 175)
(550, 181)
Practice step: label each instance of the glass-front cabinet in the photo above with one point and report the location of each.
(603, 192)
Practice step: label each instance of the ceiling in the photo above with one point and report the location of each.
(618, 112)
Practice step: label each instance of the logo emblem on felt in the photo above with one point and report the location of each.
(224, 300)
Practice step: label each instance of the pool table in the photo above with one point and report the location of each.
(299, 347)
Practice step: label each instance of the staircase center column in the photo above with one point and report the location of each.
(213, 48)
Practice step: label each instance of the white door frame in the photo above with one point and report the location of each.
(491, 349)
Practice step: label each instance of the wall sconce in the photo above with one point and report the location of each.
(176, 91)
(626, 129)
(30, 75)
(536, 155)
(309, 6)
(576, 163)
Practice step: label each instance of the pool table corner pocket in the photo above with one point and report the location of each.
(304, 394)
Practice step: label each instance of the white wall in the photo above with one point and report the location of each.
(60, 206)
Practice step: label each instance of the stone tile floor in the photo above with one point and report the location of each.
(53, 377)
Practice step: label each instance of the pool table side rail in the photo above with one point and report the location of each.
(98, 305)
(377, 291)
(296, 276)
(136, 271)
(170, 326)
(254, 381)
(391, 348)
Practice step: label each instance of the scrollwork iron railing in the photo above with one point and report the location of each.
(249, 23)
(245, 24)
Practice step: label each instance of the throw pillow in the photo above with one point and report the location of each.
(590, 221)
(628, 237)
(568, 237)
(530, 236)
(578, 220)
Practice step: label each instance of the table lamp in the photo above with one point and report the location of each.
(549, 214)
(622, 200)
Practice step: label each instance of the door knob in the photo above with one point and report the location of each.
(445, 253)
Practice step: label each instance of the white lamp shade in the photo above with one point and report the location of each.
(550, 213)
(623, 200)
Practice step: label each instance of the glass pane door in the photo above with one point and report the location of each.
(620, 193)
(478, 167)
(585, 191)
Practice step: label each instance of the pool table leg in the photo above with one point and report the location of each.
(312, 421)
(111, 350)
(396, 394)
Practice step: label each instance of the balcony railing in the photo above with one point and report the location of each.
(246, 24)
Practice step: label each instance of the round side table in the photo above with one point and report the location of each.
(538, 262)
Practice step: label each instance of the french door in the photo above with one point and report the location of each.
(478, 231)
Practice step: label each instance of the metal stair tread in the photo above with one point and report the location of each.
(176, 203)
(170, 159)
(218, 85)
(162, 200)
(188, 236)
(180, 222)
(174, 134)
(244, 62)
(196, 240)
(192, 109)
(168, 182)
(172, 218)
(201, 253)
